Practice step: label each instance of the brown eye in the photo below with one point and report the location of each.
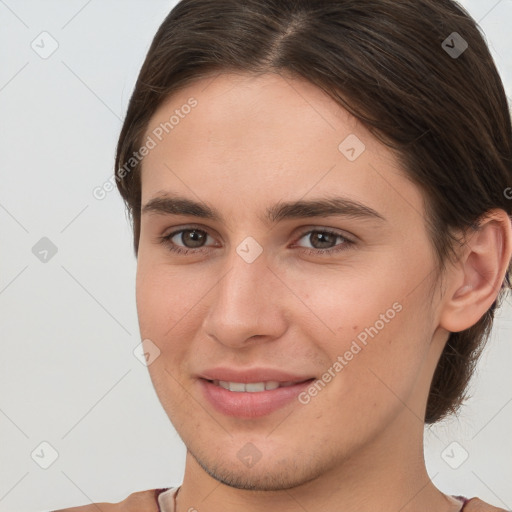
(322, 239)
(324, 242)
(192, 238)
(184, 241)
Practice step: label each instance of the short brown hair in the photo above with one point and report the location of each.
(387, 62)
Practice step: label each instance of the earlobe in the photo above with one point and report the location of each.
(478, 276)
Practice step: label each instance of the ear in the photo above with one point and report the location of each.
(475, 280)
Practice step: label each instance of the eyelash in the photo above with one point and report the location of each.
(345, 245)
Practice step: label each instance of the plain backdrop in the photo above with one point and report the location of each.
(73, 396)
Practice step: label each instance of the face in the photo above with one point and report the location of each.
(305, 260)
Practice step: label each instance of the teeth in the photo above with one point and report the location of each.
(251, 387)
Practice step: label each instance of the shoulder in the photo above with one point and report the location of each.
(476, 505)
(143, 501)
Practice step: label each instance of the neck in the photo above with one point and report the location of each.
(377, 477)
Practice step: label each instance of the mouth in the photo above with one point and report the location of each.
(255, 387)
(251, 399)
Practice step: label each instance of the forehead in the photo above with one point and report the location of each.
(247, 138)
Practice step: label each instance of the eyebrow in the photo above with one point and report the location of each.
(321, 207)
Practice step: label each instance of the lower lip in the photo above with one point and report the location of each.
(250, 405)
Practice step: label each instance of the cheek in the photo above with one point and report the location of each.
(374, 331)
(171, 304)
(389, 368)
(165, 302)
(165, 295)
(160, 307)
(344, 302)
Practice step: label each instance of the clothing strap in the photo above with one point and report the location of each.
(157, 493)
(463, 499)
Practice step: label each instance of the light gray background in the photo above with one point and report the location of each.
(68, 375)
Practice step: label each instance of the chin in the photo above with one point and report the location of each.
(273, 475)
(252, 480)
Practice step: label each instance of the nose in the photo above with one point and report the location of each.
(248, 303)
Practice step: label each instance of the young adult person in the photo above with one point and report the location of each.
(318, 191)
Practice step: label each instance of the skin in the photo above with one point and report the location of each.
(250, 142)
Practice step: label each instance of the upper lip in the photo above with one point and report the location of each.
(251, 375)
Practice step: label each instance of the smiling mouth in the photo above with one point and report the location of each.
(254, 399)
(255, 387)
